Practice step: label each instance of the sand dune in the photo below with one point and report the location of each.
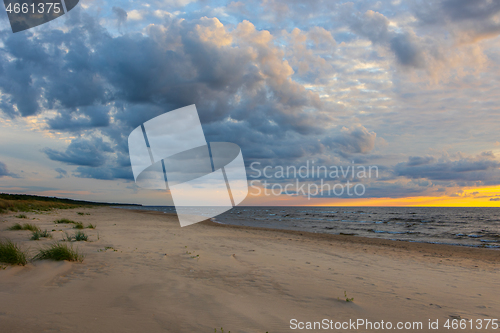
(143, 273)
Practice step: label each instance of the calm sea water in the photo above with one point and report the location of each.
(477, 227)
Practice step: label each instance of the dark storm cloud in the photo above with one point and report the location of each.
(471, 9)
(456, 10)
(466, 19)
(171, 67)
(41, 74)
(418, 160)
(483, 168)
(88, 152)
(406, 46)
(81, 118)
(16, 82)
(239, 82)
(5, 172)
(104, 173)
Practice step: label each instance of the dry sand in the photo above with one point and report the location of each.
(157, 277)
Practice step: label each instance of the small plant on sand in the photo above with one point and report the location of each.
(10, 253)
(21, 216)
(30, 227)
(64, 221)
(78, 225)
(78, 236)
(16, 226)
(80, 213)
(221, 329)
(81, 236)
(37, 234)
(347, 299)
(91, 226)
(25, 226)
(58, 252)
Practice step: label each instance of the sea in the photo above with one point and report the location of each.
(473, 227)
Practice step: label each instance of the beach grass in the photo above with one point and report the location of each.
(31, 227)
(26, 226)
(58, 252)
(21, 216)
(16, 226)
(347, 299)
(78, 236)
(77, 225)
(32, 203)
(40, 234)
(10, 253)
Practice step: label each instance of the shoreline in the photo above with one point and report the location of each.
(439, 249)
(462, 251)
(461, 233)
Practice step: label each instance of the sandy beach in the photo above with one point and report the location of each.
(142, 272)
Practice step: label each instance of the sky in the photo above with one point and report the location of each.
(409, 87)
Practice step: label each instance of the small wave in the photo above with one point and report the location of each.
(392, 232)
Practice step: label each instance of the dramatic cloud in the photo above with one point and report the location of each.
(5, 172)
(238, 79)
(81, 118)
(82, 152)
(468, 20)
(400, 84)
(410, 49)
(483, 168)
(354, 140)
